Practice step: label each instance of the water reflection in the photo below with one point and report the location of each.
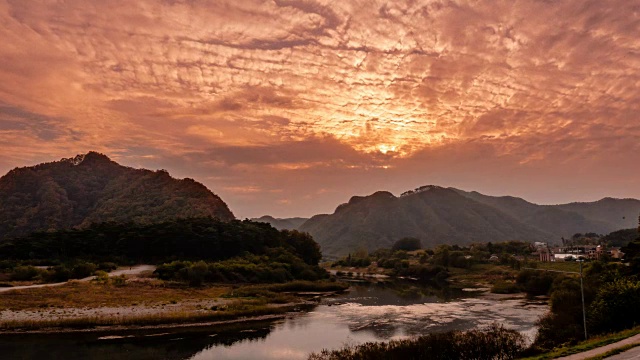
(368, 312)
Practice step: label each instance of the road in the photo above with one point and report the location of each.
(632, 354)
(135, 270)
(627, 355)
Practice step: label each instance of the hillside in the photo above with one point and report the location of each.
(282, 223)
(434, 215)
(616, 213)
(91, 188)
(551, 219)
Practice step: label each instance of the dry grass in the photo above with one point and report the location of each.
(481, 274)
(241, 310)
(91, 294)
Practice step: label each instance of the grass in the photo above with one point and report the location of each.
(481, 274)
(560, 266)
(232, 312)
(614, 352)
(587, 345)
(91, 294)
(285, 292)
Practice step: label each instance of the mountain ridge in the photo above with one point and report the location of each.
(89, 188)
(439, 216)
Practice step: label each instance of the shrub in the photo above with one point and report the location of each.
(407, 244)
(102, 276)
(616, 306)
(495, 342)
(83, 270)
(24, 273)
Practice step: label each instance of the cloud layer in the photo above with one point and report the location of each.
(290, 106)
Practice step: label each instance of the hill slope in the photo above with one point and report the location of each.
(91, 188)
(435, 215)
(550, 219)
(616, 213)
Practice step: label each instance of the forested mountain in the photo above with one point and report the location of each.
(434, 215)
(616, 213)
(439, 215)
(550, 219)
(91, 188)
(282, 223)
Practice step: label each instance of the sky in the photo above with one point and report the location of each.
(290, 107)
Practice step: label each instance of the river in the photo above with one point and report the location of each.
(376, 311)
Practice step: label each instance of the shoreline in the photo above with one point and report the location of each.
(167, 326)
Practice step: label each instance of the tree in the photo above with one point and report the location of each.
(407, 244)
(616, 306)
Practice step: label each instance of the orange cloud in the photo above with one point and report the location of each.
(316, 87)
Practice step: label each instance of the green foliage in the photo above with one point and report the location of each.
(91, 188)
(277, 266)
(25, 273)
(616, 306)
(407, 244)
(83, 270)
(620, 237)
(188, 239)
(496, 342)
(535, 282)
(102, 276)
(353, 261)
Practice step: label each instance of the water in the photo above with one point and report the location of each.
(368, 312)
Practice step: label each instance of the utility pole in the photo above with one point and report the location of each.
(584, 312)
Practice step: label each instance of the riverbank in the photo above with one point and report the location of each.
(141, 302)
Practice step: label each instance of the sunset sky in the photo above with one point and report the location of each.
(289, 107)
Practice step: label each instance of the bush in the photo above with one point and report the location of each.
(495, 342)
(616, 306)
(535, 282)
(407, 244)
(102, 276)
(58, 273)
(107, 266)
(24, 273)
(118, 280)
(83, 270)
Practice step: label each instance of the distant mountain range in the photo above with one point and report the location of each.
(282, 224)
(438, 215)
(91, 188)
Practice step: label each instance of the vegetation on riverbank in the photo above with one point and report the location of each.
(495, 342)
(590, 344)
(232, 311)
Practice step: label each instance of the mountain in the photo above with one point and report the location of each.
(91, 188)
(550, 219)
(439, 215)
(432, 214)
(282, 223)
(616, 213)
(601, 217)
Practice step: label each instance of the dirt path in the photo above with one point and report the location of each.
(135, 270)
(601, 350)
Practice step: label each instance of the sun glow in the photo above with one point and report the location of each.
(384, 148)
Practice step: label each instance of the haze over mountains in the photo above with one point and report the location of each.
(437, 215)
(91, 188)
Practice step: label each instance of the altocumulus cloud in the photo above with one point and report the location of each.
(389, 94)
